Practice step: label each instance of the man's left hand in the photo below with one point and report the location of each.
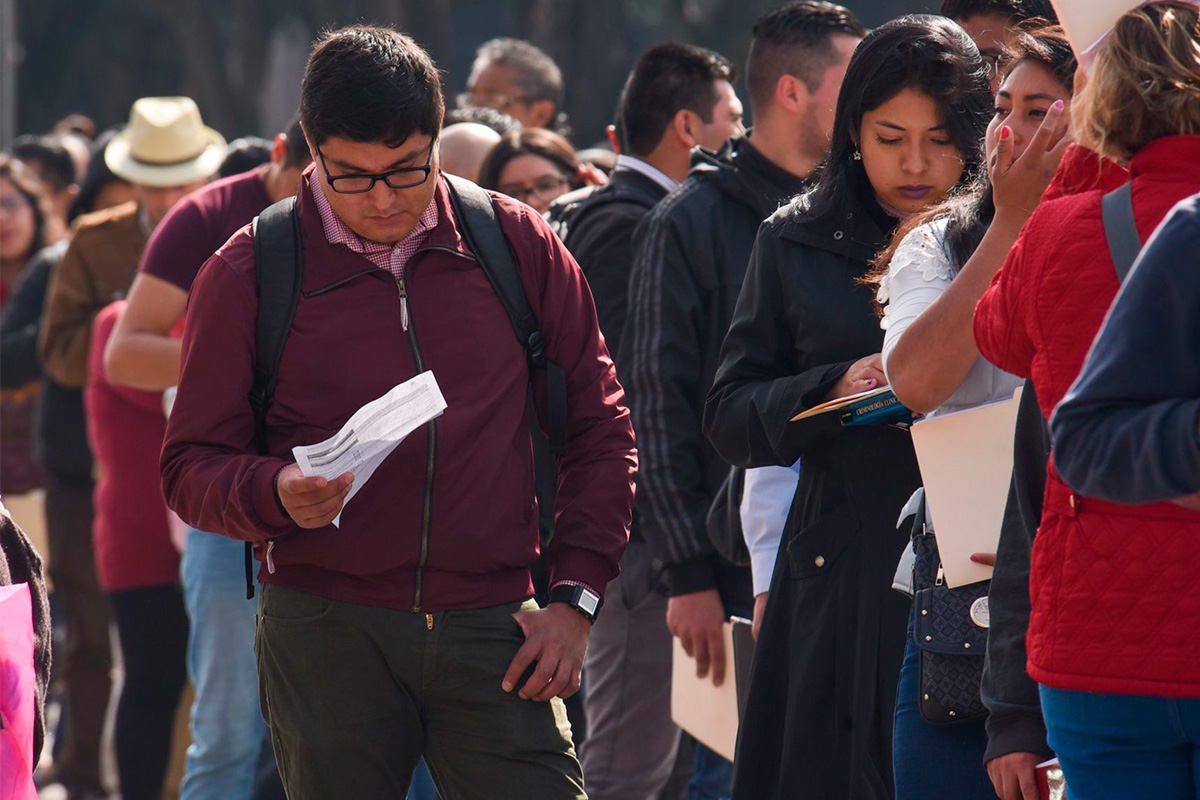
(556, 639)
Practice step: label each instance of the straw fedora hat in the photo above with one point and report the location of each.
(165, 144)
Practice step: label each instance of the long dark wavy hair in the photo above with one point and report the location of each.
(970, 208)
(929, 54)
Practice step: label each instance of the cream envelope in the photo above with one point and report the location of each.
(966, 461)
(709, 713)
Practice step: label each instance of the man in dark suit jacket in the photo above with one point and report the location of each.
(678, 97)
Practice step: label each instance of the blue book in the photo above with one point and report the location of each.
(876, 407)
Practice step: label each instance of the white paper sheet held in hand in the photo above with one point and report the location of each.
(372, 434)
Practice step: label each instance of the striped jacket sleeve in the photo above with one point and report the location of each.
(661, 364)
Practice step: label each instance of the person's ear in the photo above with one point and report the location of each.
(541, 113)
(791, 94)
(279, 149)
(686, 125)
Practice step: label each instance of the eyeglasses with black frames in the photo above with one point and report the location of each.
(361, 182)
(544, 189)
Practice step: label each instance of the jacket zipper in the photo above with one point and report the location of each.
(427, 512)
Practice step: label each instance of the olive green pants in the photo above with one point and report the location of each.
(355, 695)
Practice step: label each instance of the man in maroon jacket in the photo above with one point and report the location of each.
(407, 629)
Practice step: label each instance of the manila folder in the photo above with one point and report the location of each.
(966, 461)
(709, 713)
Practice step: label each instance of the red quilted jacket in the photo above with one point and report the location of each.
(1115, 589)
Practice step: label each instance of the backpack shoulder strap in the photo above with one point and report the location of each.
(481, 228)
(278, 269)
(1120, 228)
(279, 272)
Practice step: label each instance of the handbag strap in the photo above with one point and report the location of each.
(1120, 228)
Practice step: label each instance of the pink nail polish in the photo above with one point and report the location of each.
(1059, 104)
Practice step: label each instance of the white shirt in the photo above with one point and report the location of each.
(920, 271)
(918, 274)
(766, 502)
(653, 173)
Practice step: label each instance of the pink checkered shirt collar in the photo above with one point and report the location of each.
(392, 257)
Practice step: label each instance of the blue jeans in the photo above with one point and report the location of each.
(712, 777)
(422, 787)
(934, 760)
(1124, 746)
(227, 727)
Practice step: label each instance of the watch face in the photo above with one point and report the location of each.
(588, 602)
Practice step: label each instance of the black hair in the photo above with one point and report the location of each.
(46, 156)
(969, 210)
(243, 155)
(370, 84)
(929, 54)
(529, 141)
(1014, 10)
(98, 176)
(795, 40)
(296, 154)
(1040, 43)
(488, 117)
(668, 78)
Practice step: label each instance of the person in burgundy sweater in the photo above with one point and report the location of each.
(1115, 607)
(407, 630)
(137, 566)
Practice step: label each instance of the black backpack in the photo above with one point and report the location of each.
(279, 270)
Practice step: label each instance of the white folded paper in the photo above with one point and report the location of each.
(372, 433)
(966, 461)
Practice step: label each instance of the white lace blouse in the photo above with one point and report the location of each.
(920, 271)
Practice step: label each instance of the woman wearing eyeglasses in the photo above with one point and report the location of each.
(535, 166)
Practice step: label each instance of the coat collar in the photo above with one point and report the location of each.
(855, 232)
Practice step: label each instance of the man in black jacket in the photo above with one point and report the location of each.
(691, 254)
(677, 97)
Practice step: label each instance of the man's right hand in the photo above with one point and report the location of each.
(696, 619)
(863, 376)
(311, 502)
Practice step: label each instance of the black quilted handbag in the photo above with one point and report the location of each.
(950, 630)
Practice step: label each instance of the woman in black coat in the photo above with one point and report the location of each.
(818, 719)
